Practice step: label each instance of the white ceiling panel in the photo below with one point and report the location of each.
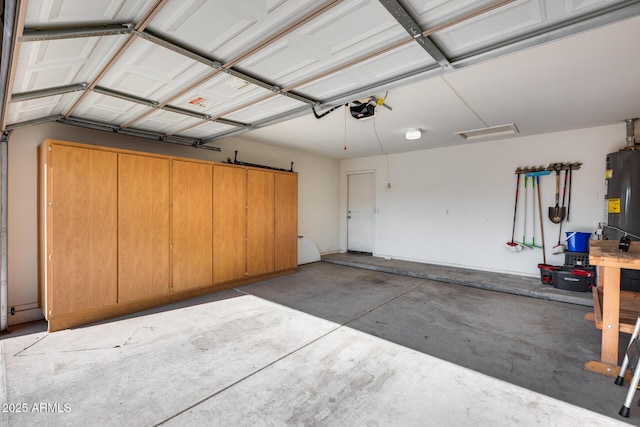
(408, 58)
(34, 109)
(52, 63)
(559, 10)
(335, 38)
(226, 28)
(271, 107)
(431, 13)
(216, 22)
(207, 130)
(108, 109)
(166, 122)
(493, 27)
(512, 21)
(218, 95)
(152, 72)
(64, 12)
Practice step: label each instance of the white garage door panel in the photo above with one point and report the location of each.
(227, 26)
(108, 109)
(152, 71)
(54, 63)
(431, 13)
(166, 122)
(207, 130)
(205, 24)
(491, 28)
(512, 20)
(220, 94)
(377, 69)
(265, 109)
(40, 107)
(85, 11)
(337, 37)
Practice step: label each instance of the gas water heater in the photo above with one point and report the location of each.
(623, 200)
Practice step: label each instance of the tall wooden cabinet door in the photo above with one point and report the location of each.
(192, 225)
(229, 223)
(286, 221)
(260, 222)
(82, 230)
(143, 227)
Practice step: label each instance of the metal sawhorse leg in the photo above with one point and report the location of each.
(631, 358)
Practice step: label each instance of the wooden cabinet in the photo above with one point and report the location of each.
(192, 220)
(286, 221)
(81, 195)
(229, 223)
(260, 222)
(122, 231)
(143, 227)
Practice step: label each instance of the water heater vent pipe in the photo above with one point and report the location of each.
(631, 131)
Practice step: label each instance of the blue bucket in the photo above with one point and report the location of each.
(577, 241)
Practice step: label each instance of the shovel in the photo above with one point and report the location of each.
(557, 213)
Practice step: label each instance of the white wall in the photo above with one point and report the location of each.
(454, 206)
(450, 206)
(317, 208)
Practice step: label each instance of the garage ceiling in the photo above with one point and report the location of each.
(194, 72)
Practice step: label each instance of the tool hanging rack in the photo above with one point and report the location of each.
(552, 167)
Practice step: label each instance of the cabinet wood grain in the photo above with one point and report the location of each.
(143, 227)
(260, 222)
(286, 221)
(192, 224)
(83, 217)
(229, 223)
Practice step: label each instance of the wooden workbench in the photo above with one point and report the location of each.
(608, 300)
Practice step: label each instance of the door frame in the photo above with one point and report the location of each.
(347, 174)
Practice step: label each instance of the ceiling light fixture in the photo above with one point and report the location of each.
(488, 132)
(413, 133)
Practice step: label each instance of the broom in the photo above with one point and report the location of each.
(514, 246)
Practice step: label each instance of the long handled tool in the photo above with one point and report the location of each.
(524, 228)
(544, 255)
(569, 201)
(535, 177)
(558, 249)
(556, 213)
(533, 211)
(514, 246)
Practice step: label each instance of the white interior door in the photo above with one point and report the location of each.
(360, 213)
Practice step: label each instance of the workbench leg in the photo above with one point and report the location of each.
(610, 315)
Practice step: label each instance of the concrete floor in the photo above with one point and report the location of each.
(329, 345)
